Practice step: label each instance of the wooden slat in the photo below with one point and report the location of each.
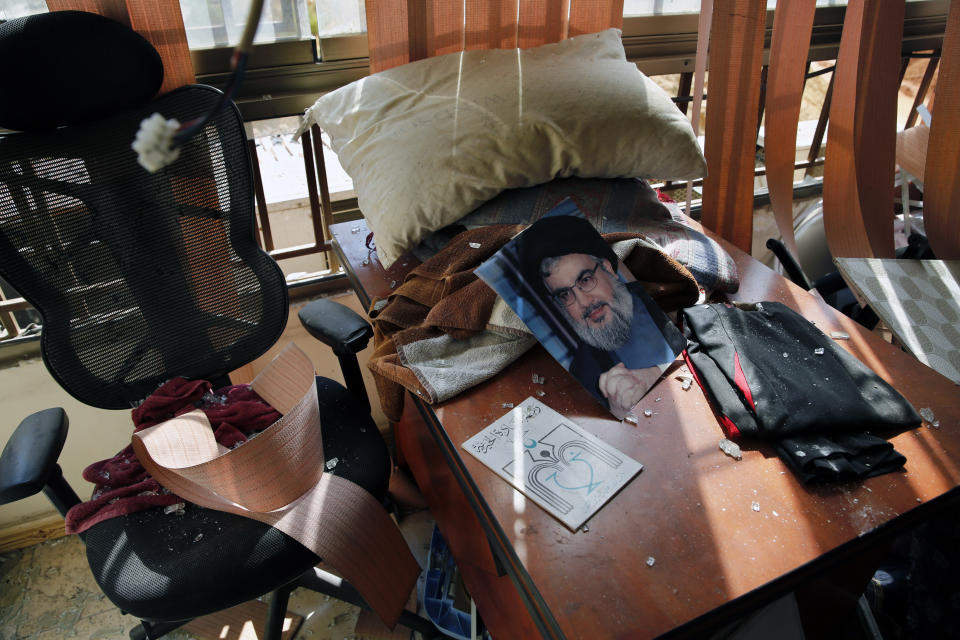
(159, 21)
(401, 31)
(444, 27)
(417, 29)
(14, 304)
(30, 533)
(263, 215)
(491, 24)
(113, 9)
(704, 22)
(736, 54)
(590, 16)
(310, 173)
(789, 47)
(941, 198)
(9, 324)
(326, 209)
(387, 33)
(821, 129)
(443, 24)
(683, 90)
(541, 22)
(859, 167)
(928, 74)
(912, 147)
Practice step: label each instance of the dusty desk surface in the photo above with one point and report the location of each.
(694, 540)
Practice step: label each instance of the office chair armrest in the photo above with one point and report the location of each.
(790, 264)
(337, 326)
(29, 460)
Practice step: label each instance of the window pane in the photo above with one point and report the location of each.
(659, 7)
(668, 7)
(10, 9)
(219, 23)
(341, 17)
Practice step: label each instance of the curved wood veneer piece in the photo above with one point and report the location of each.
(859, 166)
(736, 54)
(941, 197)
(789, 48)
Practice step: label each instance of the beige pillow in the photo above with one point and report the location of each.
(428, 142)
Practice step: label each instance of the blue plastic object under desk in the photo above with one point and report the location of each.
(435, 592)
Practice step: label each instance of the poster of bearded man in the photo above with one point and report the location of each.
(589, 312)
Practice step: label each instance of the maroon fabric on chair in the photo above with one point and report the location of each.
(123, 486)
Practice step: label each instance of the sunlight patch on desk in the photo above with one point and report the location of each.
(520, 467)
(922, 451)
(518, 541)
(768, 522)
(519, 500)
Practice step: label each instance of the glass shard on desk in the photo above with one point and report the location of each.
(927, 414)
(731, 448)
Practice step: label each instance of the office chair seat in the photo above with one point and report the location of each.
(160, 566)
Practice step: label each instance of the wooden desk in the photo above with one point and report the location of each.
(715, 556)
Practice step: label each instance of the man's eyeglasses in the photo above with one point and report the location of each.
(586, 282)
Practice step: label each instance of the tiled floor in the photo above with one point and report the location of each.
(47, 591)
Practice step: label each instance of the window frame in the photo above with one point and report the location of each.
(284, 78)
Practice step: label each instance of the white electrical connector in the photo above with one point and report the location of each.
(154, 143)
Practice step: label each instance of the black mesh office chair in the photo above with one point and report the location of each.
(141, 277)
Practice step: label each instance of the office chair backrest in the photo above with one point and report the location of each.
(139, 277)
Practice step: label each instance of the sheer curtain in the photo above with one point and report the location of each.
(340, 17)
(219, 23)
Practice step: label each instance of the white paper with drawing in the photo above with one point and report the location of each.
(552, 461)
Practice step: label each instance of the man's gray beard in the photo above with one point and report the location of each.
(615, 333)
